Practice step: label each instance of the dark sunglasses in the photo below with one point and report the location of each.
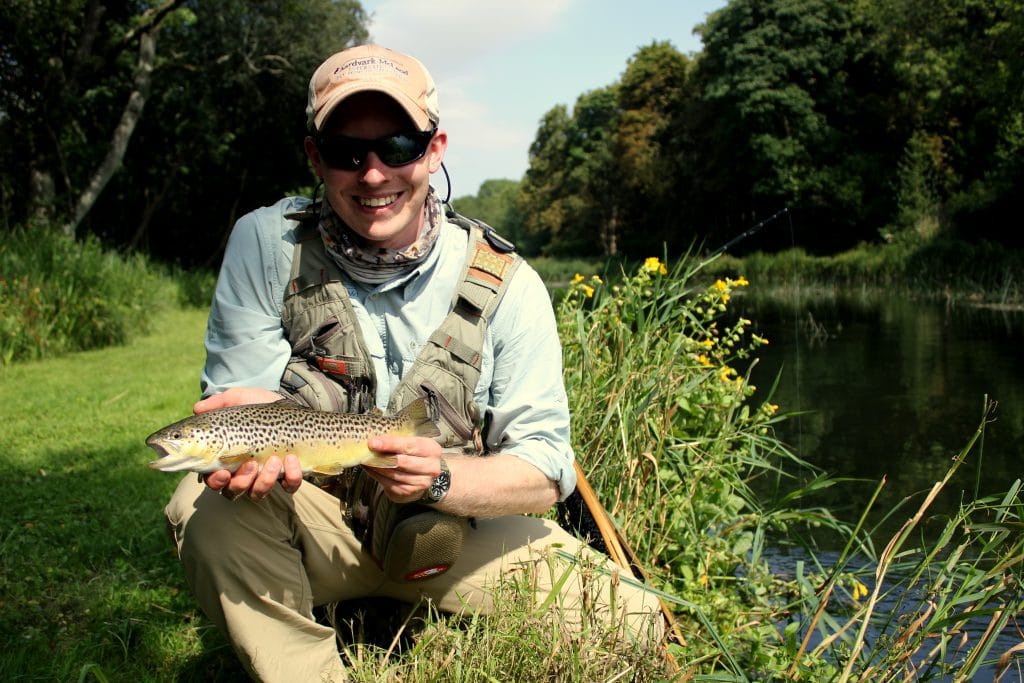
(349, 154)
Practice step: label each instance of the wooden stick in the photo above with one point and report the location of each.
(618, 549)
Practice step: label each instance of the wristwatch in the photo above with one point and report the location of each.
(439, 487)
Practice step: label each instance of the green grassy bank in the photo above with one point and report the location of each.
(87, 572)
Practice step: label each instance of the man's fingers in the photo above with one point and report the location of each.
(292, 474)
(243, 478)
(217, 480)
(266, 479)
(258, 481)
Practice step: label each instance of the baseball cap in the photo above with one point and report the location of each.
(372, 68)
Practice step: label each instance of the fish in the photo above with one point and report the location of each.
(325, 442)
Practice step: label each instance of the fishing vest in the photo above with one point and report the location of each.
(331, 369)
(327, 343)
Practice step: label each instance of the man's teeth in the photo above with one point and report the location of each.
(378, 201)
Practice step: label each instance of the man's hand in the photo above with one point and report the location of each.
(419, 461)
(250, 477)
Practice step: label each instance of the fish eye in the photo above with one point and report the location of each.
(176, 434)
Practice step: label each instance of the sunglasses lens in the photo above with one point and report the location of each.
(349, 154)
(399, 150)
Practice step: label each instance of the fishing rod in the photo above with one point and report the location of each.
(619, 550)
(753, 230)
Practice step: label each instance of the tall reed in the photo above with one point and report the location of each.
(669, 432)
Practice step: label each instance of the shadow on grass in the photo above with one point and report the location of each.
(89, 576)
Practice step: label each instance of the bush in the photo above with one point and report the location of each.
(59, 295)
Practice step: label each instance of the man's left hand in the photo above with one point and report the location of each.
(419, 461)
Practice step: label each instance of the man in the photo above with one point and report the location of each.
(337, 304)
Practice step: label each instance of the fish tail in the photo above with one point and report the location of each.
(418, 412)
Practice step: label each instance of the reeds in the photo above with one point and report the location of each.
(671, 435)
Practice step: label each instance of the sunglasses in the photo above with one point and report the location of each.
(349, 154)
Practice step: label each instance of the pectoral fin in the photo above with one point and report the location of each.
(233, 460)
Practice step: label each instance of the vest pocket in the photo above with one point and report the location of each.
(466, 431)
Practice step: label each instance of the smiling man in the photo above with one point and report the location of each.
(372, 298)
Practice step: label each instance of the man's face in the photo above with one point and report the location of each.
(382, 204)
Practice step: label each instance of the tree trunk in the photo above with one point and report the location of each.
(123, 132)
(610, 233)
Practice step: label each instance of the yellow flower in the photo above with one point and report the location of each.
(771, 408)
(725, 373)
(703, 360)
(741, 282)
(859, 590)
(577, 279)
(707, 343)
(588, 291)
(720, 285)
(652, 264)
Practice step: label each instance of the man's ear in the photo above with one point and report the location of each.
(313, 154)
(437, 148)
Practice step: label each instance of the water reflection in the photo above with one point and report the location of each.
(895, 388)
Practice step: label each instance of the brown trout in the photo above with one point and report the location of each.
(325, 442)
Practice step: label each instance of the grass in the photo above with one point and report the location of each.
(87, 573)
(59, 295)
(90, 588)
(672, 436)
(943, 269)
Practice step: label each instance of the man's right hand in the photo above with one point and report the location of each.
(250, 478)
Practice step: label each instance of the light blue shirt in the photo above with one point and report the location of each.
(520, 385)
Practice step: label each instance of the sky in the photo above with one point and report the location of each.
(500, 65)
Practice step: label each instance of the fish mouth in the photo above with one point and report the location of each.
(168, 459)
(161, 450)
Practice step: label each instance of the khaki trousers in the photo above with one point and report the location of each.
(258, 569)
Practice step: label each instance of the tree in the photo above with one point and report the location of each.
(495, 204)
(227, 123)
(653, 153)
(960, 72)
(64, 64)
(222, 127)
(782, 116)
(570, 184)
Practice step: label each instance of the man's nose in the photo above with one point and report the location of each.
(374, 170)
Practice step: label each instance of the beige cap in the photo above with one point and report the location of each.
(373, 68)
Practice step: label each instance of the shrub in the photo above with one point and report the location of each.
(59, 295)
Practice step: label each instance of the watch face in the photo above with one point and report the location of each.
(440, 485)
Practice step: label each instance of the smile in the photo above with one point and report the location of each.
(376, 202)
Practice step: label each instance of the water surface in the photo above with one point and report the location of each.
(895, 388)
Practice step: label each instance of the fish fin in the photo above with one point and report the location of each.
(234, 458)
(383, 461)
(328, 470)
(418, 412)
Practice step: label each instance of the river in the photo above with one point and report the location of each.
(893, 388)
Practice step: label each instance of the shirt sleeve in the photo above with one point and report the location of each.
(528, 406)
(245, 340)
